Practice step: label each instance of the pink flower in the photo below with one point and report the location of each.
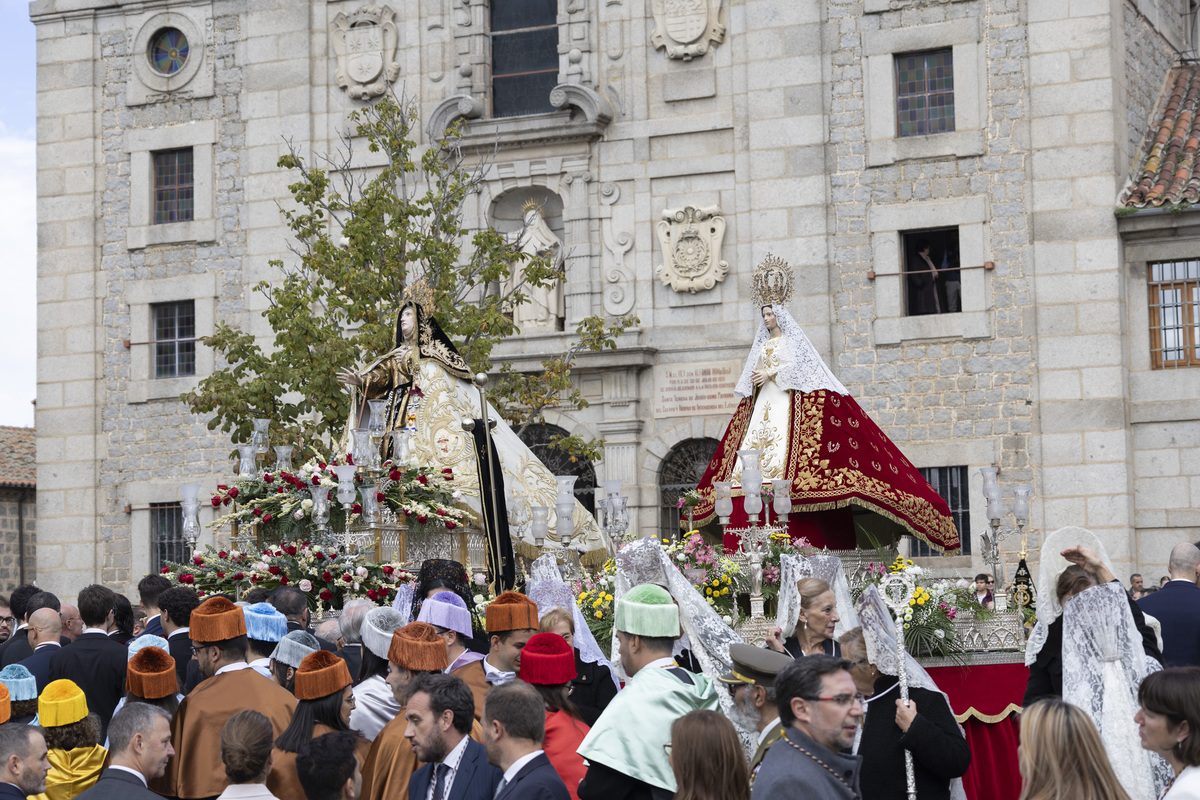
(305, 585)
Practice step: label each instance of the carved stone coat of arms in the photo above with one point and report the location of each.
(687, 28)
(365, 44)
(691, 243)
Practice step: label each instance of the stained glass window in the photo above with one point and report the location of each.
(174, 339)
(951, 484)
(174, 186)
(169, 51)
(524, 56)
(925, 93)
(1175, 313)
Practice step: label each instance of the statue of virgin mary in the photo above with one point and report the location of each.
(428, 388)
(811, 432)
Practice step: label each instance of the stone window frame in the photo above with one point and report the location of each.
(141, 296)
(880, 48)
(139, 495)
(886, 224)
(141, 145)
(974, 453)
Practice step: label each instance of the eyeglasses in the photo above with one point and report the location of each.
(8, 621)
(991, 583)
(841, 700)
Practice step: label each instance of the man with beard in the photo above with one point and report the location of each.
(820, 708)
(440, 714)
(752, 684)
(7, 620)
(23, 761)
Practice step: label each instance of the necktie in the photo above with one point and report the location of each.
(500, 787)
(439, 785)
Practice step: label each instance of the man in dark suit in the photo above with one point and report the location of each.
(291, 602)
(23, 762)
(329, 767)
(350, 624)
(440, 713)
(18, 605)
(45, 626)
(20, 648)
(95, 662)
(149, 590)
(139, 746)
(514, 726)
(175, 606)
(1176, 606)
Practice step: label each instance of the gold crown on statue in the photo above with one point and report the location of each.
(772, 281)
(421, 293)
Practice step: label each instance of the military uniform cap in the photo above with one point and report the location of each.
(754, 666)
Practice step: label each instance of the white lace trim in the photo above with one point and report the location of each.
(801, 369)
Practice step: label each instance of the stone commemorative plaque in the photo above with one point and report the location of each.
(684, 390)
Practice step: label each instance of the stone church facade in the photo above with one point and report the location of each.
(671, 146)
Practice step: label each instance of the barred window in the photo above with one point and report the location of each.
(174, 186)
(951, 484)
(166, 535)
(1175, 314)
(174, 339)
(925, 93)
(681, 470)
(559, 462)
(524, 56)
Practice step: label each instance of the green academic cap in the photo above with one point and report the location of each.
(648, 610)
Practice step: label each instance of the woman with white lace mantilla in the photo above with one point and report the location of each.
(812, 433)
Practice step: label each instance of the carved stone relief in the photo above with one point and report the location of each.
(365, 44)
(616, 228)
(691, 243)
(687, 28)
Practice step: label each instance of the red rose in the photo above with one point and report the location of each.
(283, 580)
(447, 471)
(279, 490)
(370, 594)
(266, 517)
(186, 578)
(268, 477)
(254, 579)
(222, 554)
(216, 501)
(220, 574)
(358, 478)
(421, 518)
(165, 570)
(273, 570)
(350, 459)
(239, 576)
(407, 513)
(319, 556)
(321, 465)
(395, 475)
(448, 477)
(387, 570)
(291, 550)
(227, 499)
(258, 512)
(348, 578)
(441, 512)
(379, 497)
(197, 561)
(233, 492)
(356, 508)
(450, 525)
(201, 593)
(316, 480)
(221, 487)
(422, 479)
(326, 595)
(278, 552)
(327, 576)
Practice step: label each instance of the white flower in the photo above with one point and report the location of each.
(299, 513)
(355, 585)
(305, 585)
(682, 557)
(234, 554)
(456, 495)
(361, 572)
(941, 634)
(962, 583)
(478, 599)
(728, 620)
(197, 554)
(316, 548)
(306, 504)
(480, 579)
(259, 566)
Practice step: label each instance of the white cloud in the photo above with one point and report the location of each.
(18, 298)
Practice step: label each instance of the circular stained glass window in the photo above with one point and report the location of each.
(169, 51)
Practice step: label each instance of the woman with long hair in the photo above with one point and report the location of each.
(246, 744)
(325, 692)
(707, 758)
(1061, 756)
(548, 665)
(1169, 724)
(814, 630)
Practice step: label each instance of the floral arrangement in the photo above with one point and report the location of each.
(593, 595)
(711, 573)
(929, 619)
(689, 499)
(327, 578)
(281, 502)
(777, 546)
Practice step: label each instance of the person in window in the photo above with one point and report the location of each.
(922, 285)
(951, 283)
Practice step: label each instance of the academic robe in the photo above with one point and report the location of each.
(473, 676)
(196, 769)
(72, 772)
(564, 734)
(391, 762)
(285, 782)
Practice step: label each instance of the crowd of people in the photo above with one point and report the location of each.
(240, 699)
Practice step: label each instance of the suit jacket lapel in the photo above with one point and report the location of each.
(466, 770)
(521, 775)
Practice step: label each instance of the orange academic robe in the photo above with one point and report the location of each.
(391, 762)
(196, 770)
(564, 734)
(473, 676)
(285, 782)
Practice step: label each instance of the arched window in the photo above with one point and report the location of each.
(537, 438)
(681, 470)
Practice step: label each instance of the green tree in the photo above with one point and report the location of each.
(359, 234)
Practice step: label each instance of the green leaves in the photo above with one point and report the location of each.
(359, 235)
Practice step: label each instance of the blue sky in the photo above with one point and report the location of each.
(18, 301)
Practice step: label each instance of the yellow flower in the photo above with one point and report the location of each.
(716, 583)
(921, 601)
(912, 602)
(599, 615)
(725, 590)
(707, 590)
(596, 604)
(727, 579)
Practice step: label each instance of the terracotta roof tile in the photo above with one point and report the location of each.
(1167, 171)
(18, 462)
